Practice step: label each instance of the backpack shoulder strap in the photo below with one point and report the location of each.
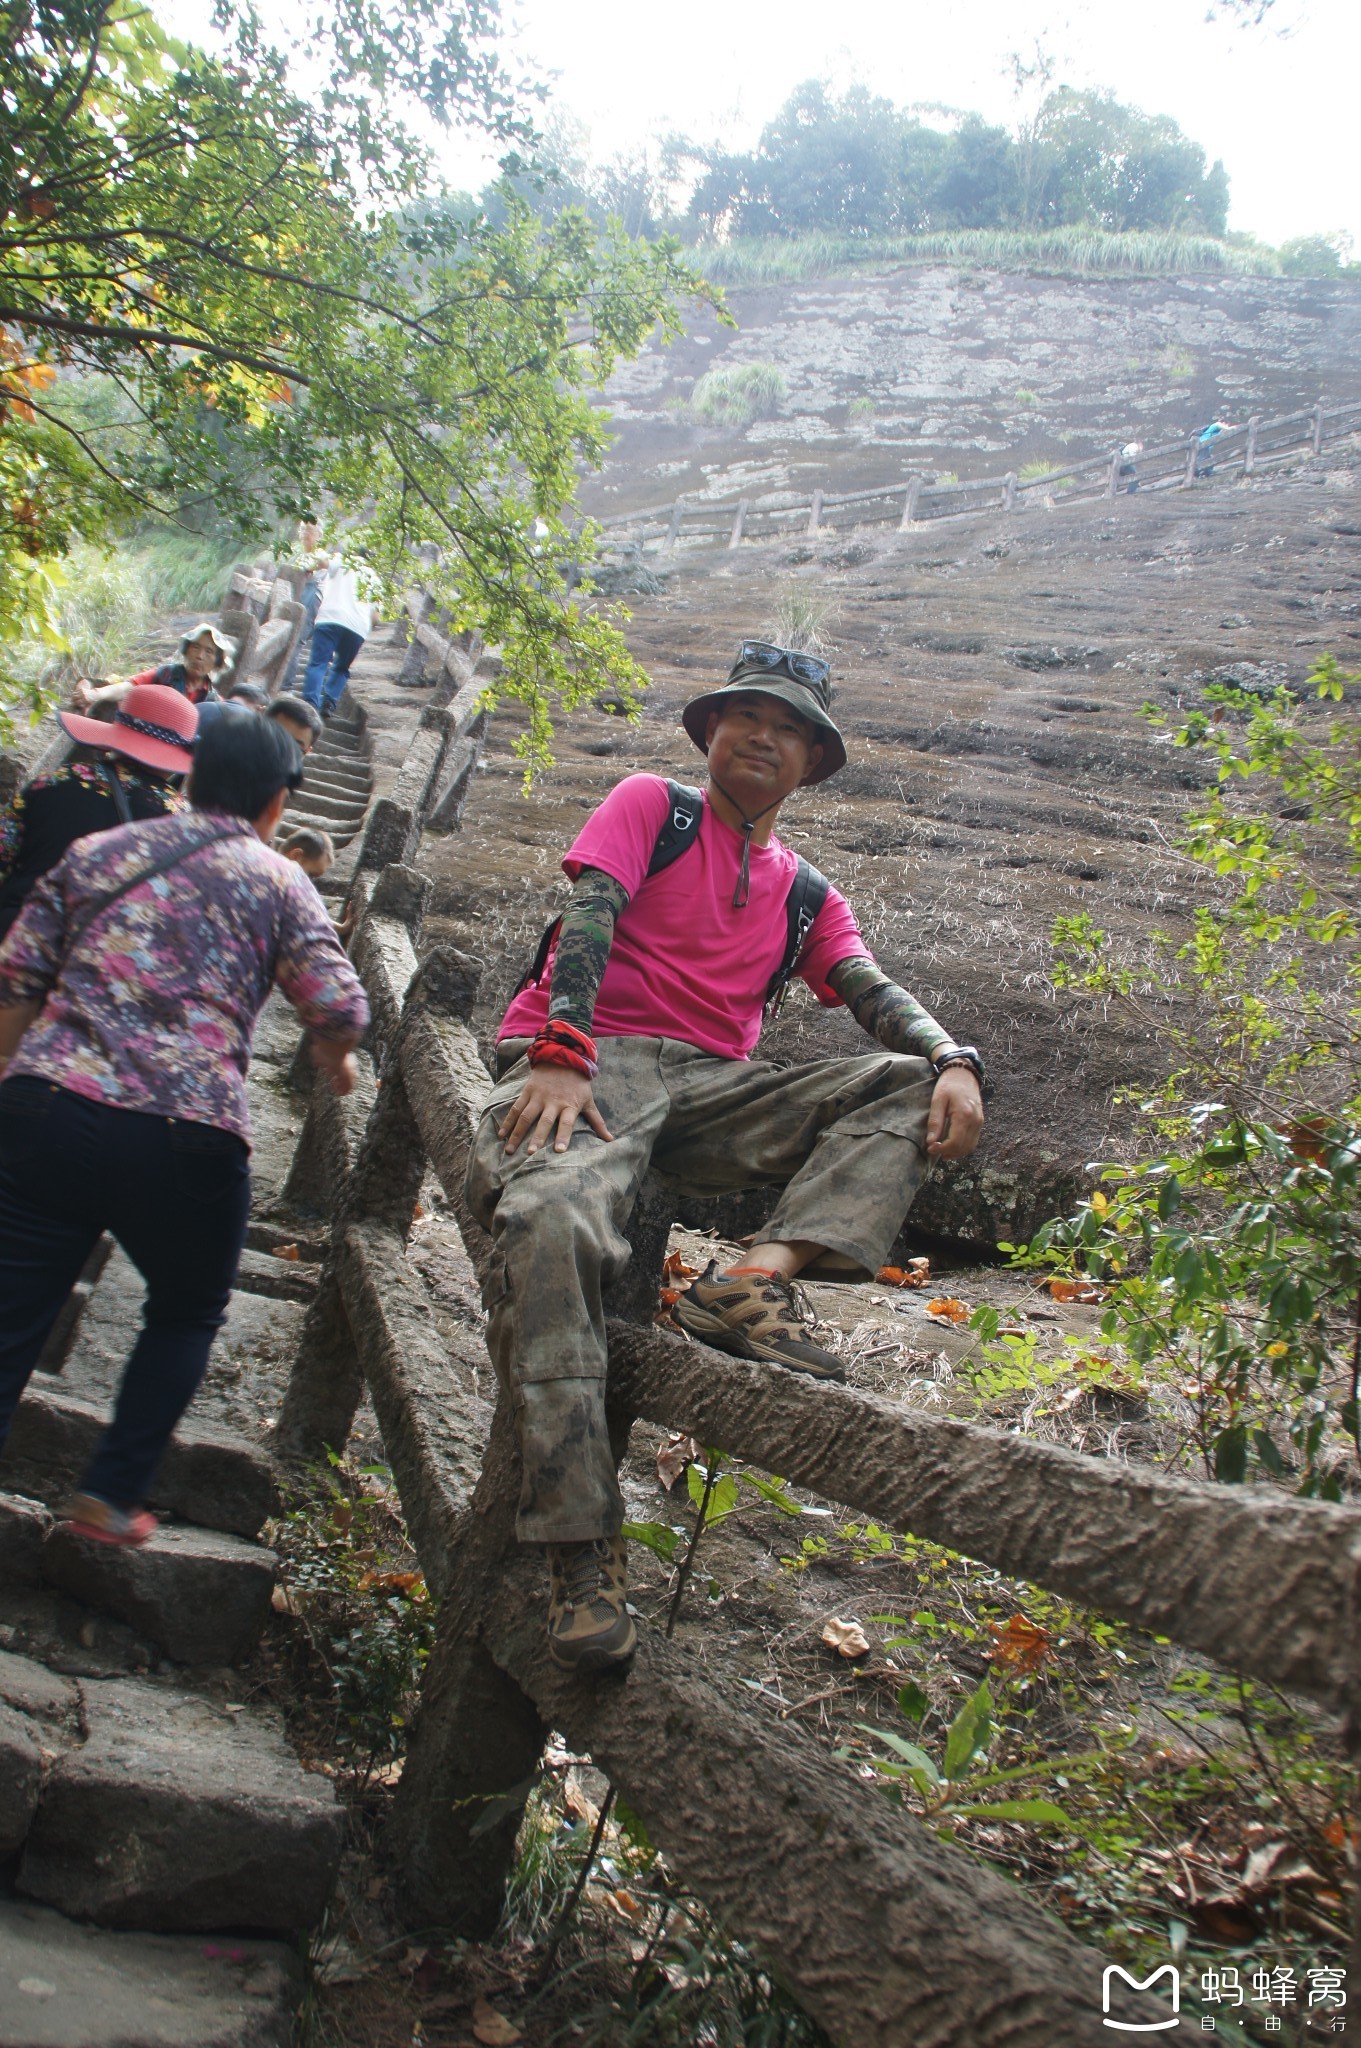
(807, 894)
(685, 808)
(112, 782)
(679, 830)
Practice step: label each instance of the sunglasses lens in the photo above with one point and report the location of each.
(807, 668)
(761, 652)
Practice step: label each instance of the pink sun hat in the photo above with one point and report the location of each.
(153, 725)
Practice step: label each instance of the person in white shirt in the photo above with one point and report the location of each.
(344, 622)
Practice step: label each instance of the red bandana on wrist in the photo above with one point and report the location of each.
(562, 1045)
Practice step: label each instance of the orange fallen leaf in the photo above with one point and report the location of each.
(286, 1251)
(1074, 1290)
(491, 2027)
(675, 1268)
(389, 1582)
(627, 1907)
(669, 1296)
(847, 1638)
(945, 1305)
(915, 1273)
(1020, 1645)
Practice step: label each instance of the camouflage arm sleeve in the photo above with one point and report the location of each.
(886, 1011)
(584, 946)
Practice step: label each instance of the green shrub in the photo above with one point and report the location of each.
(735, 397)
(1231, 1244)
(860, 411)
(1314, 256)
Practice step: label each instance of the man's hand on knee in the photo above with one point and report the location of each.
(553, 1098)
(955, 1123)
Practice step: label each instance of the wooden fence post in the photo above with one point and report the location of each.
(1318, 428)
(910, 497)
(1250, 451)
(677, 514)
(738, 523)
(1009, 491)
(815, 512)
(1113, 475)
(1191, 453)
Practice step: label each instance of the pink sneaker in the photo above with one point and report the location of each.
(99, 1521)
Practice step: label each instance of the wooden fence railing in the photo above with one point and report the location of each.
(882, 1931)
(912, 500)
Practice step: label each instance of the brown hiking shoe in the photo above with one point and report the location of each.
(756, 1315)
(589, 1626)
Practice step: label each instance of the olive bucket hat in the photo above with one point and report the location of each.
(803, 681)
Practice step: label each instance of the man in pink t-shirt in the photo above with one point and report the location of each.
(632, 1049)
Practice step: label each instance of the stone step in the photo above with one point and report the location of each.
(346, 807)
(63, 1985)
(341, 835)
(336, 791)
(281, 1279)
(345, 771)
(201, 1595)
(178, 1815)
(218, 1481)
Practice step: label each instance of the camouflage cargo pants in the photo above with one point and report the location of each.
(845, 1138)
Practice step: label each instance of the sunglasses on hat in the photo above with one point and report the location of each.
(804, 668)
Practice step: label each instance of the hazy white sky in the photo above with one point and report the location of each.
(1276, 102)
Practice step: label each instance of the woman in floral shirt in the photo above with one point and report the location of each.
(121, 771)
(129, 989)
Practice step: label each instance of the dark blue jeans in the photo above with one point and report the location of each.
(175, 1195)
(328, 670)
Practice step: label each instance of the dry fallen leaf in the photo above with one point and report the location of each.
(1074, 1290)
(915, 1273)
(1020, 1645)
(675, 1268)
(389, 1582)
(626, 1905)
(950, 1310)
(674, 1456)
(286, 1251)
(847, 1638)
(669, 1296)
(491, 2027)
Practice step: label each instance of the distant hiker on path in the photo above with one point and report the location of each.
(129, 988)
(1127, 470)
(204, 655)
(629, 1044)
(344, 622)
(1205, 447)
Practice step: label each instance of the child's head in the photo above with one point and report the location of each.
(312, 850)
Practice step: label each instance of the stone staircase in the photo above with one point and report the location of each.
(338, 781)
(163, 1853)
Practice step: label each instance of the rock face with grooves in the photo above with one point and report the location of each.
(176, 1816)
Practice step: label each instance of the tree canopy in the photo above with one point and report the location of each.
(289, 309)
(856, 164)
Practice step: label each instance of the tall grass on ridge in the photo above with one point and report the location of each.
(775, 260)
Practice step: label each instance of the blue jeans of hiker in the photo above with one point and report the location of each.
(328, 670)
(175, 1195)
(311, 605)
